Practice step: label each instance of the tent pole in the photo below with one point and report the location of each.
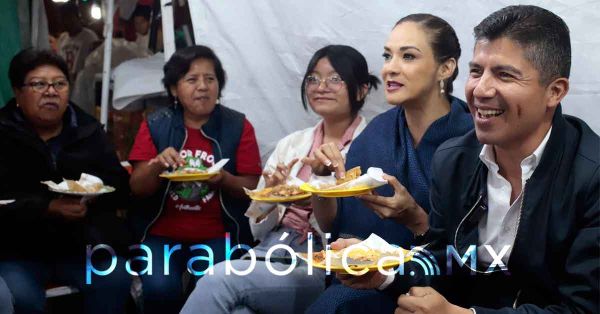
(168, 27)
(108, 30)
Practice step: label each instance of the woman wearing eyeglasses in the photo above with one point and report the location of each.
(420, 65)
(335, 86)
(44, 235)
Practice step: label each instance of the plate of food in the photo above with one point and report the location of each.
(370, 255)
(282, 193)
(188, 174)
(200, 173)
(354, 183)
(87, 185)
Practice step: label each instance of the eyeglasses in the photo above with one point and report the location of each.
(334, 82)
(42, 86)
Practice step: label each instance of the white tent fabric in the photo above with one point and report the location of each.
(137, 78)
(265, 46)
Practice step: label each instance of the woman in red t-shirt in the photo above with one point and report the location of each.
(196, 132)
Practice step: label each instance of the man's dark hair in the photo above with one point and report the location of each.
(352, 67)
(180, 62)
(443, 41)
(28, 60)
(542, 34)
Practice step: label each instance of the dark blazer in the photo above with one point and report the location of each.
(554, 266)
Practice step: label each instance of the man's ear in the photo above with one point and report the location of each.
(446, 69)
(556, 91)
(362, 92)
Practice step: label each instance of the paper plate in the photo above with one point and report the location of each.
(103, 190)
(274, 199)
(336, 193)
(356, 267)
(188, 176)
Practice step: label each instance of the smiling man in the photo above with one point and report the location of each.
(522, 189)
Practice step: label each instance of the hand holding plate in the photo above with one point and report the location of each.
(400, 207)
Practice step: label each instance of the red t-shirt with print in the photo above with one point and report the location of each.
(192, 210)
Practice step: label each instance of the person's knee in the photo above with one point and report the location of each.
(6, 302)
(221, 285)
(27, 296)
(214, 278)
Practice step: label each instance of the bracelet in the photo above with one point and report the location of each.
(420, 236)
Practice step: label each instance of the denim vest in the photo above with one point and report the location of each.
(224, 130)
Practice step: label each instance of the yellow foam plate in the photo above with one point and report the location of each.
(358, 190)
(280, 199)
(188, 176)
(357, 268)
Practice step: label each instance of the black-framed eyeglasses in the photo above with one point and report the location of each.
(42, 86)
(334, 82)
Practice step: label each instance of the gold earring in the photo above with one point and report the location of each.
(442, 91)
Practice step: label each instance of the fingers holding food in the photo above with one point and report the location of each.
(326, 159)
(278, 174)
(342, 243)
(169, 157)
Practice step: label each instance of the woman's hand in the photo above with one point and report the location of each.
(233, 184)
(168, 158)
(279, 175)
(70, 208)
(401, 207)
(217, 180)
(370, 280)
(326, 159)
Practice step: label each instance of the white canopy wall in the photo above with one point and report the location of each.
(265, 46)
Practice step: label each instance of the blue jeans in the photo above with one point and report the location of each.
(262, 290)
(163, 291)
(6, 303)
(27, 280)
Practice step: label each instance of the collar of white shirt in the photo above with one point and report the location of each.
(528, 165)
(499, 228)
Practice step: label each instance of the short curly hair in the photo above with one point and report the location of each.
(28, 60)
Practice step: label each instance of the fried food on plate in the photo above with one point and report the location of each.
(281, 190)
(188, 170)
(357, 254)
(351, 174)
